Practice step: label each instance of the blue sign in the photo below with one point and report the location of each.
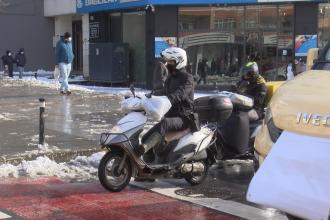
(86, 6)
(162, 43)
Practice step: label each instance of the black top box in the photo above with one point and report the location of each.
(213, 108)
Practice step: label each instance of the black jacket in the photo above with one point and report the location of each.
(20, 59)
(8, 60)
(179, 89)
(257, 91)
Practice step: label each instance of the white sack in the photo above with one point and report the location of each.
(157, 106)
(131, 104)
(295, 177)
(238, 100)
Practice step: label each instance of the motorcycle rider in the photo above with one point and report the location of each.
(179, 88)
(236, 130)
(255, 88)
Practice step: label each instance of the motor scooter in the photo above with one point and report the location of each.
(228, 145)
(188, 153)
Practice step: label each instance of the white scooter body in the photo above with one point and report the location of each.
(130, 130)
(138, 120)
(185, 155)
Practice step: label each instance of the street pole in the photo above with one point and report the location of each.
(42, 121)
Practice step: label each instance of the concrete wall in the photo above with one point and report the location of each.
(23, 25)
(59, 7)
(63, 24)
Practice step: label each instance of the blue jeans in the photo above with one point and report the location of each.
(21, 71)
(65, 69)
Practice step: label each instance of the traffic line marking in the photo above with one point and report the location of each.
(4, 216)
(224, 206)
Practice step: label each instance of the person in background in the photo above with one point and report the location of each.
(202, 70)
(213, 66)
(299, 66)
(289, 71)
(8, 63)
(21, 62)
(64, 58)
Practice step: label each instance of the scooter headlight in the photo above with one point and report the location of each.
(115, 129)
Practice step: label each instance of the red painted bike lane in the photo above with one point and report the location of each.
(51, 198)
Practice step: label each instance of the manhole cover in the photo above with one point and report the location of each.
(222, 193)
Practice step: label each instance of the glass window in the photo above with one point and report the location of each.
(268, 17)
(252, 18)
(194, 19)
(324, 24)
(285, 14)
(134, 25)
(219, 40)
(227, 18)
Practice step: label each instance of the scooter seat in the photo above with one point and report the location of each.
(176, 135)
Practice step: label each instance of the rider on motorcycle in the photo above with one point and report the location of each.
(255, 88)
(179, 88)
(236, 130)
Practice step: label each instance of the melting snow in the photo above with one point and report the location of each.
(81, 168)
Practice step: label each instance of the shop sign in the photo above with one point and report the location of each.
(101, 5)
(86, 6)
(303, 43)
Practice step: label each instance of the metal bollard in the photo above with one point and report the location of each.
(42, 121)
(36, 75)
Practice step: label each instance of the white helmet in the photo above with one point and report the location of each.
(177, 54)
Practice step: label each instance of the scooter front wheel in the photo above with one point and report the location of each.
(196, 179)
(109, 174)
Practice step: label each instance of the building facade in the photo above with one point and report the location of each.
(66, 19)
(219, 35)
(23, 25)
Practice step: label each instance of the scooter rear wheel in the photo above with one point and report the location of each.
(195, 179)
(108, 174)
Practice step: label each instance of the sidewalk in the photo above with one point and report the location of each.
(73, 123)
(51, 198)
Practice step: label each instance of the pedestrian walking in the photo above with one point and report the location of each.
(20, 61)
(64, 58)
(289, 71)
(8, 63)
(202, 70)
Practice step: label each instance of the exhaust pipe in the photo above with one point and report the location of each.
(197, 167)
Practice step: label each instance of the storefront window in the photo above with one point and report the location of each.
(219, 40)
(195, 19)
(134, 25)
(324, 24)
(285, 18)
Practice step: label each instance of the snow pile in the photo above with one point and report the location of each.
(46, 148)
(81, 168)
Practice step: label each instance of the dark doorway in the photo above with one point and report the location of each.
(77, 44)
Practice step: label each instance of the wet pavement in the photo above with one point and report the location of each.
(51, 198)
(73, 123)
